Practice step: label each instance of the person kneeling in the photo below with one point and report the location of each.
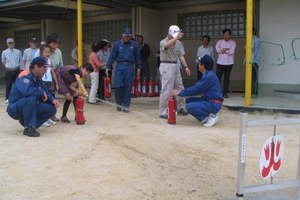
(205, 107)
(30, 101)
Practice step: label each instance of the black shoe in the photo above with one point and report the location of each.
(119, 108)
(182, 112)
(31, 132)
(163, 116)
(21, 121)
(64, 119)
(225, 96)
(126, 110)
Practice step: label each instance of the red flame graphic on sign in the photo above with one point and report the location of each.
(269, 154)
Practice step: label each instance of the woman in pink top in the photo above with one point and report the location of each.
(97, 65)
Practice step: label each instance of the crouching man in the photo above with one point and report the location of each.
(30, 101)
(205, 107)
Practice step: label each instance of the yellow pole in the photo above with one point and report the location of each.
(249, 27)
(79, 34)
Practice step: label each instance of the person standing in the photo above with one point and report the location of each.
(74, 54)
(170, 50)
(204, 108)
(126, 53)
(144, 53)
(204, 49)
(225, 49)
(103, 56)
(30, 101)
(255, 62)
(97, 64)
(50, 79)
(53, 40)
(12, 61)
(29, 53)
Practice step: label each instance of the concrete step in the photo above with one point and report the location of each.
(289, 94)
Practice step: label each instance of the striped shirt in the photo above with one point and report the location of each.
(11, 58)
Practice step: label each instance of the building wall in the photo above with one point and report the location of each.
(153, 25)
(280, 47)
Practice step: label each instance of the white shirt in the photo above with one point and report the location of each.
(202, 51)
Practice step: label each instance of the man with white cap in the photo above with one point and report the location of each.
(170, 50)
(12, 61)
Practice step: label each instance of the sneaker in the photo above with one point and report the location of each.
(50, 121)
(163, 116)
(54, 119)
(119, 108)
(182, 112)
(126, 110)
(31, 132)
(6, 101)
(206, 119)
(211, 121)
(46, 124)
(64, 119)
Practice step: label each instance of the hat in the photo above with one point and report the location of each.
(126, 31)
(33, 39)
(39, 61)
(174, 30)
(10, 40)
(207, 61)
(105, 40)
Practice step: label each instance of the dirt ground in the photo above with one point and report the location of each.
(135, 155)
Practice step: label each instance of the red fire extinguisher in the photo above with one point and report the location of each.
(138, 85)
(107, 87)
(172, 107)
(133, 89)
(144, 87)
(79, 111)
(151, 88)
(156, 87)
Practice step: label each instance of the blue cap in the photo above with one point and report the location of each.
(39, 61)
(126, 31)
(207, 61)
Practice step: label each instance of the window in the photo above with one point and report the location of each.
(212, 23)
(22, 37)
(110, 30)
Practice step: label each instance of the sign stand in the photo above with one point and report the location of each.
(241, 188)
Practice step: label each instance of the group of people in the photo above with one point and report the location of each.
(32, 97)
(45, 73)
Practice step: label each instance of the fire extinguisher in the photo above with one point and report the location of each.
(151, 88)
(133, 89)
(156, 87)
(79, 111)
(107, 87)
(144, 87)
(172, 107)
(138, 85)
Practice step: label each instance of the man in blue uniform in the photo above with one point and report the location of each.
(126, 53)
(204, 108)
(30, 101)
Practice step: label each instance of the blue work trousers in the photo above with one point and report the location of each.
(124, 76)
(33, 113)
(201, 108)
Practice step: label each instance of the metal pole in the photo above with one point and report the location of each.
(242, 156)
(249, 35)
(79, 36)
